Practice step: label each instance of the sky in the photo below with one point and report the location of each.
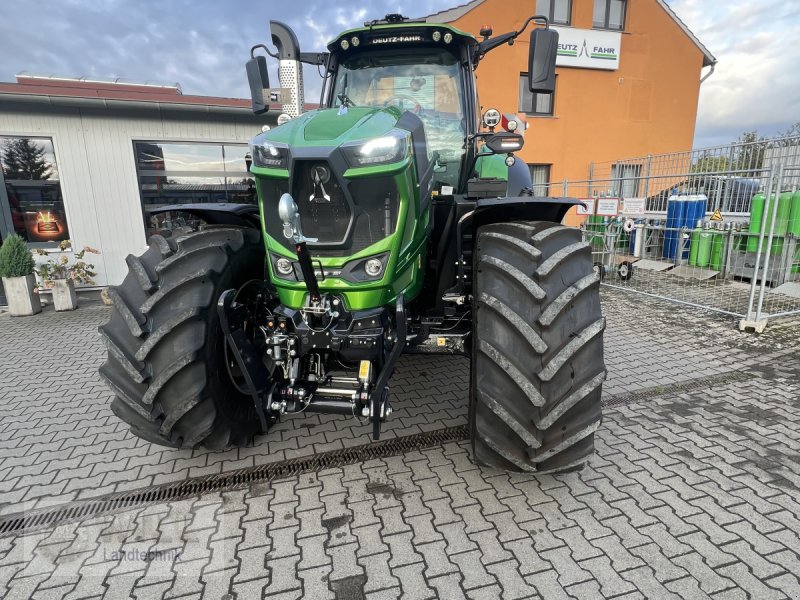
(203, 44)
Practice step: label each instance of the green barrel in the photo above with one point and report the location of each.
(742, 237)
(717, 250)
(704, 248)
(781, 222)
(794, 227)
(597, 228)
(756, 214)
(794, 215)
(695, 245)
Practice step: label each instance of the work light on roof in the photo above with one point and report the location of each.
(344, 44)
(448, 37)
(355, 41)
(437, 35)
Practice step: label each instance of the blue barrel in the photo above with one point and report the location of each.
(676, 218)
(696, 207)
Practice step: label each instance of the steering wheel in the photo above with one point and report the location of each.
(417, 106)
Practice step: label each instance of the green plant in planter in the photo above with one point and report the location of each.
(78, 271)
(15, 258)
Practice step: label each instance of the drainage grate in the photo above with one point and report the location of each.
(690, 385)
(83, 509)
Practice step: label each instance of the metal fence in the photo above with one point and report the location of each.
(717, 228)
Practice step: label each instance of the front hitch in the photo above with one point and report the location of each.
(380, 399)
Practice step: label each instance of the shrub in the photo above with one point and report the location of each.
(15, 258)
(60, 268)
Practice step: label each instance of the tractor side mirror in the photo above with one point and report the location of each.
(542, 61)
(258, 78)
(505, 142)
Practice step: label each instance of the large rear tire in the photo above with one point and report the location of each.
(166, 362)
(537, 360)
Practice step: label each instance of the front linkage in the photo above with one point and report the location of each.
(293, 361)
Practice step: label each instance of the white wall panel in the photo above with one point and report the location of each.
(94, 151)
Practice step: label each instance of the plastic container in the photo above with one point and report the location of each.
(596, 228)
(704, 248)
(695, 244)
(782, 219)
(676, 218)
(717, 249)
(696, 209)
(756, 215)
(794, 215)
(783, 205)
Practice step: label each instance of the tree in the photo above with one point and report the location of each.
(750, 153)
(710, 164)
(25, 159)
(793, 131)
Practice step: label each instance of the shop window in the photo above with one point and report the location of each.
(184, 173)
(540, 176)
(532, 103)
(609, 14)
(558, 11)
(31, 203)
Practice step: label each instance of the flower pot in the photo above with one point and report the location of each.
(64, 296)
(22, 301)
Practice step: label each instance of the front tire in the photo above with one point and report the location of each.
(165, 347)
(537, 360)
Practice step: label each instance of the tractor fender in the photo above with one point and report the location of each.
(521, 208)
(217, 213)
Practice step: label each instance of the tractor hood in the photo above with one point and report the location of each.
(332, 127)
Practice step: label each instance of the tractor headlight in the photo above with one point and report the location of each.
(373, 267)
(366, 269)
(284, 266)
(267, 154)
(386, 149)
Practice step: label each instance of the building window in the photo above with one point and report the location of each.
(609, 14)
(626, 180)
(540, 176)
(184, 173)
(31, 203)
(532, 103)
(558, 11)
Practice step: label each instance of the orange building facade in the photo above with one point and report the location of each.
(628, 78)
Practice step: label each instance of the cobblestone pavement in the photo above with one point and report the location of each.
(693, 491)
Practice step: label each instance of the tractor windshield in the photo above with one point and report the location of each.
(426, 82)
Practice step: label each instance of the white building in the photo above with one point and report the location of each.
(84, 160)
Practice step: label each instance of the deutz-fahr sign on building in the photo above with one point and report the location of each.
(588, 48)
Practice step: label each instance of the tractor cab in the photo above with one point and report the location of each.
(413, 66)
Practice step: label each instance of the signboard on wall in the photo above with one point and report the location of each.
(633, 206)
(607, 207)
(589, 210)
(588, 48)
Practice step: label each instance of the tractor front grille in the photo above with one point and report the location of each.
(356, 213)
(325, 213)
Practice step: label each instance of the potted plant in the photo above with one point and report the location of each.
(60, 274)
(16, 269)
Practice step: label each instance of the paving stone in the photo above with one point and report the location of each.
(690, 493)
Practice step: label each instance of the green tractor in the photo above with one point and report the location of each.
(394, 219)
